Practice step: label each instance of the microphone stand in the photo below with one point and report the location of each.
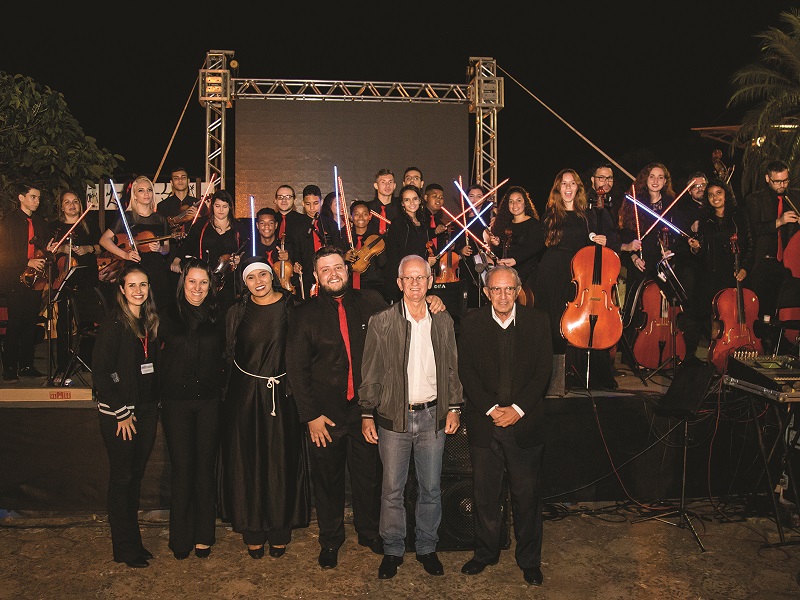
(49, 382)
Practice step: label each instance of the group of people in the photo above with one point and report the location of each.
(325, 351)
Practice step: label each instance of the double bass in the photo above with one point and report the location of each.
(735, 311)
(592, 319)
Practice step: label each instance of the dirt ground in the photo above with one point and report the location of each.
(589, 552)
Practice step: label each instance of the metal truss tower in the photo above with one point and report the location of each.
(218, 90)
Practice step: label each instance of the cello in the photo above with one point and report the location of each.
(592, 319)
(448, 263)
(735, 309)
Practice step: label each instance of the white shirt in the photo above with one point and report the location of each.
(421, 362)
(505, 325)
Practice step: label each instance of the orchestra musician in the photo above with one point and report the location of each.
(145, 224)
(316, 230)
(517, 235)
(384, 203)
(80, 249)
(218, 240)
(408, 234)
(180, 208)
(25, 236)
(366, 228)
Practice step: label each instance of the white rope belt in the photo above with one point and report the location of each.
(272, 382)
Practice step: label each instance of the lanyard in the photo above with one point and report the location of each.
(144, 344)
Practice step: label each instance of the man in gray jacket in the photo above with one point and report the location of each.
(410, 387)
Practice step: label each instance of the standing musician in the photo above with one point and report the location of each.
(364, 228)
(517, 235)
(316, 231)
(570, 226)
(24, 234)
(218, 240)
(773, 216)
(408, 234)
(433, 216)
(384, 203)
(144, 224)
(603, 194)
(80, 249)
(179, 208)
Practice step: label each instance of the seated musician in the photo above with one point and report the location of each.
(364, 228)
(145, 224)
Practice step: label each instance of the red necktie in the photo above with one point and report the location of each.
(346, 337)
(780, 241)
(356, 274)
(382, 224)
(282, 231)
(433, 226)
(31, 248)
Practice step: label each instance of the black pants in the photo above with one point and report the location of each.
(347, 448)
(127, 461)
(191, 428)
(524, 468)
(24, 305)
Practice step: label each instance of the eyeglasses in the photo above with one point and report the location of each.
(699, 186)
(508, 290)
(779, 181)
(604, 178)
(417, 278)
(284, 197)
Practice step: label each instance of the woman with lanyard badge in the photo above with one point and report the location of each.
(265, 487)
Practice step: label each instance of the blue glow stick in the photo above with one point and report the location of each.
(657, 216)
(122, 215)
(253, 222)
(460, 233)
(471, 205)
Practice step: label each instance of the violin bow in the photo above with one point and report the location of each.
(122, 216)
(664, 214)
(658, 217)
(480, 242)
(71, 229)
(210, 187)
(460, 233)
(342, 204)
(382, 218)
(475, 206)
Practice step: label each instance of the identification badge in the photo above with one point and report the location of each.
(147, 368)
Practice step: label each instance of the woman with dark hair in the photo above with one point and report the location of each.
(217, 239)
(406, 235)
(265, 488)
(722, 220)
(124, 368)
(192, 377)
(517, 234)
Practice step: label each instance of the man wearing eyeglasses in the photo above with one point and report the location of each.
(505, 358)
(600, 195)
(290, 228)
(772, 212)
(410, 396)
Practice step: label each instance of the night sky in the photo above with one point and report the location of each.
(632, 82)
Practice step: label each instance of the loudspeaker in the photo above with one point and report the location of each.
(452, 294)
(687, 391)
(456, 459)
(457, 529)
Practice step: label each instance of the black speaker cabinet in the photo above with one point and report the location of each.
(456, 460)
(457, 529)
(689, 387)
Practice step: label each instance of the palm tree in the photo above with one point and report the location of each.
(770, 90)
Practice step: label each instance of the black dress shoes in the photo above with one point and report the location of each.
(328, 558)
(30, 372)
(145, 553)
(257, 553)
(375, 545)
(277, 552)
(202, 552)
(389, 564)
(184, 554)
(137, 563)
(432, 564)
(473, 567)
(533, 575)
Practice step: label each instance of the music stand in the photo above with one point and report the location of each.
(682, 401)
(63, 288)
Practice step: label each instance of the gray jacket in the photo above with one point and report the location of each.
(384, 370)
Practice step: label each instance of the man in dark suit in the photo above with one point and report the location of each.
(505, 358)
(773, 221)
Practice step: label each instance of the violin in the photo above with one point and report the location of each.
(285, 270)
(372, 246)
(63, 263)
(36, 279)
(110, 265)
(177, 221)
(143, 239)
(226, 264)
(448, 263)
(592, 318)
(735, 309)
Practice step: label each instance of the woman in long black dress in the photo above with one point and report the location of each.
(215, 238)
(265, 486)
(192, 378)
(517, 235)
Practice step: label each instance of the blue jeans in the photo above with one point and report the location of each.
(395, 450)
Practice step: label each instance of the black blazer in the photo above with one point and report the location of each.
(762, 210)
(478, 369)
(316, 358)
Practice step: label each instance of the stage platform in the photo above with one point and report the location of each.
(601, 446)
